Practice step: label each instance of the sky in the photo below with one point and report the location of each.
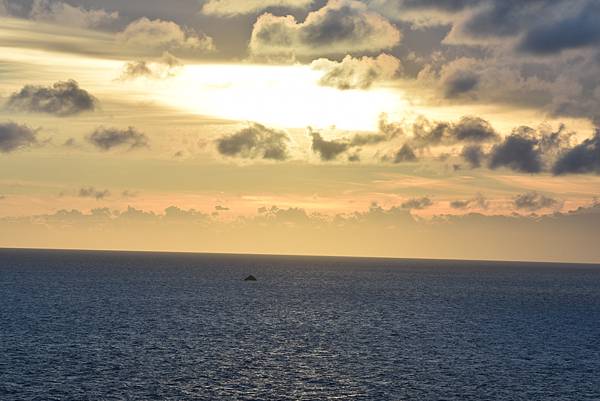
(464, 129)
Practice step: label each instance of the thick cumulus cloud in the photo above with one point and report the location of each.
(164, 36)
(341, 26)
(581, 159)
(533, 201)
(417, 203)
(467, 130)
(91, 192)
(14, 136)
(111, 138)
(517, 152)
(62, 13)
(558, 76)
(571, 32)
(530, 151)
(61, 99)
(255, 142)
(357, 73)
(229, 8)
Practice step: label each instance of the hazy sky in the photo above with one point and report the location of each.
(450, 128)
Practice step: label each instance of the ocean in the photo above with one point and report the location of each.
(77, 325)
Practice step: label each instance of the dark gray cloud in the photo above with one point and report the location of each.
(417, 203)
(255, 142)
(503, 18)
(459, 83)
(446, 5)
(405, 154)
(574, 32)
(581, 159)
(467, 130)
(14, 136)
(110, 138)
(61, 99)
(328, 150)
(473, 155)
(533, 201)
(91, 192)
(331, 149)
(517, 152)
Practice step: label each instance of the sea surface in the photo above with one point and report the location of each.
(155, 326)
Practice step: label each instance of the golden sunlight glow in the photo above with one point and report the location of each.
(282, 96)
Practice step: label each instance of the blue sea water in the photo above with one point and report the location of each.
(149, 326)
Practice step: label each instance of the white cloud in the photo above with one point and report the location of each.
(342, 26)
(357, 73)
(164, 35)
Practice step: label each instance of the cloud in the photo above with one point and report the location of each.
(569, 33)
(357, 73)
(164, 36)
(255, 142)
(581, 159)
(473, 154)
(230, 8)
(129, 194)
(467, 130)
(328, 150)
(109, 138)
(479, 201)
(220, 208)
(14, 136)
(534, 201)
(165, 67)
(91, 192)
(3, 8)
(517, 152)
(61, 99)
(417, 203)
(62, 13)
(341, 26)
(405, 154)
(459, 83)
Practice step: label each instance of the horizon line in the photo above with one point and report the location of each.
(390, 258)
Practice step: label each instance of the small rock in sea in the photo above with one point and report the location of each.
(250, 278)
